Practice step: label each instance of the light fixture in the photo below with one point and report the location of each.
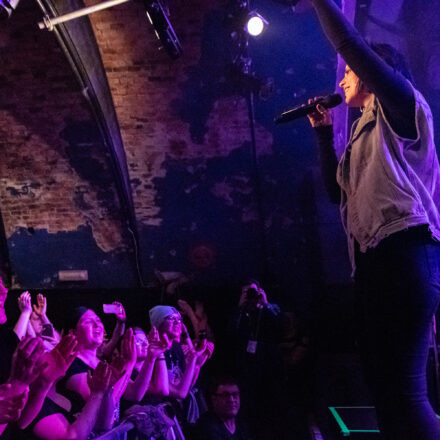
(158, 17)
(255, 24)
(7, 7)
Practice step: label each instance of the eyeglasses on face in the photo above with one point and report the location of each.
(141, 342)
(235, 395)
(174, 319)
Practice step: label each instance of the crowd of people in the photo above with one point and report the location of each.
(77, 383)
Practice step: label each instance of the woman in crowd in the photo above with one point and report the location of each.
(33, 320)
(89, 332)
(150, 371)
(183, 368)
(55, 421)
(389, 177)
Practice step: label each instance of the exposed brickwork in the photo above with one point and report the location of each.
(145, 85)
(39, 100)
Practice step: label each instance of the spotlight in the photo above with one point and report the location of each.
(255, 24)
(7, 7)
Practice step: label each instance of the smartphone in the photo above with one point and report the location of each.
(111, 308)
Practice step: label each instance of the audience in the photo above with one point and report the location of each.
(70, 387)
(222, 421)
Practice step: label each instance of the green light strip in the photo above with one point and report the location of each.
(345, 431)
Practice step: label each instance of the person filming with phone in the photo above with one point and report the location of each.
(256, 329)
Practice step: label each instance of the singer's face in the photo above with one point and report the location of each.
(354, 96)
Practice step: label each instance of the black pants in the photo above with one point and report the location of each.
(398, 285)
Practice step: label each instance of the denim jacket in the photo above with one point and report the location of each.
(388, 183)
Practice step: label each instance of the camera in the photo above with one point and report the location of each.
(252, 294)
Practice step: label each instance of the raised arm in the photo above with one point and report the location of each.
(181, 389)
(56, 427)
(136, 389)
(118, 332)
(392, 89)
(25, 306)
(40, 309)
(56, 363)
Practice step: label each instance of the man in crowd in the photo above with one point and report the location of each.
(256, 331)
(222, 423)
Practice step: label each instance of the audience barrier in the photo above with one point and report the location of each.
(117, 433)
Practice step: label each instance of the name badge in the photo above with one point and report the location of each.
(252, 347)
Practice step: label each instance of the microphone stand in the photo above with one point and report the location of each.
(248, 83)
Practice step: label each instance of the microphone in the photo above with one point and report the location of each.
(328, 101)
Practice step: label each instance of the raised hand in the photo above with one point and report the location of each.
(157, 348)
(262, 297)
(120, 316)
(24, 302)
(204, 352)
(128, 348)
(59, 359)
(27, 362)
(321, 117)
(12, 401)
(153, 335)
(101, 379)
(194, 353)
(40, 308)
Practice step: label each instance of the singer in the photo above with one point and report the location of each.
(388, 186)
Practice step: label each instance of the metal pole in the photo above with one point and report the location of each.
(49, 23)
(257, 183)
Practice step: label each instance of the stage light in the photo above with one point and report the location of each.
(158, 17)
(255, 24)
(7, 7)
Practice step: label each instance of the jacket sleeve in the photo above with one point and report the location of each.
(390, 87)
(328, 161)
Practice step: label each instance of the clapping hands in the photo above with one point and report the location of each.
(12, 402)
(27, 361)
(58, 360)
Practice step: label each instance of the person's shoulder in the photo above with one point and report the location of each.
(78, 366)
(209, 426)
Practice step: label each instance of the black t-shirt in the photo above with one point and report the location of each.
(9, 341)
(49, 408)
(77, 367)
(210, 427)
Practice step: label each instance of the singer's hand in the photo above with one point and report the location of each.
(322, 116)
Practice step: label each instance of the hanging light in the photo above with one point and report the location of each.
(158, 17)
(7, 7)
(255, 24)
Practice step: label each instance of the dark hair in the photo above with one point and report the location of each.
(393, 58)
(73, 317)
(221, 380)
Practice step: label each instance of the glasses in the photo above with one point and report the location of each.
(141, 342)
(225, 395)
(174, 319)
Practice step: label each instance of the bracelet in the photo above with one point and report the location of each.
(161, 359)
